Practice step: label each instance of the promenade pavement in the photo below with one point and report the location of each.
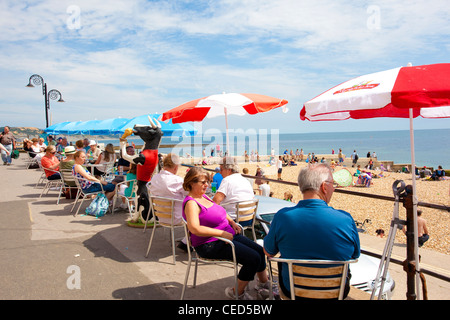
(47, 253)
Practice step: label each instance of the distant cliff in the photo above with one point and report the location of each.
(24, 132)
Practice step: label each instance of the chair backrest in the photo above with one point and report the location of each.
(162, 207)
(67, 177)
(316, 279)
(246, 210)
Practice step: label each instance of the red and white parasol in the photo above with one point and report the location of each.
(223, 105)
(406, 92)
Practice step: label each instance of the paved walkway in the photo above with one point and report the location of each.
(46, 253)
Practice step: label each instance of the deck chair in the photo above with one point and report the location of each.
(81, 194)
(246, 214)
(316, 281)
(130, 201)
(193, 256)
(163, 209)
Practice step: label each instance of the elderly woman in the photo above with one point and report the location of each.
(92, 184)
(109, 155)
(233, 188)
(207, 220)
(50, 162)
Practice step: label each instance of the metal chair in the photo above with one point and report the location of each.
(246, 212)
(31, 160)
(194, 256)
(83, 194)
(129, 200)
(57, 184)
(68, 180)
(163, 209)
(315, 281)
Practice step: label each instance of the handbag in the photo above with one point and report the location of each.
(98, 206)
(15, 154)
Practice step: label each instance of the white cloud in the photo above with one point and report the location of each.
(128, 57)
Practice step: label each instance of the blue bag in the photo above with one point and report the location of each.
(98, 206)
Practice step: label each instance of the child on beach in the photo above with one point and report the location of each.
(288, 196)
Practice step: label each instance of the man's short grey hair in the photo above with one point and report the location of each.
(230, 163)
(312, 176)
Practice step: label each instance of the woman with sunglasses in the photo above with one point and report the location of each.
(50, 163)
(90, 183)
(207, 220)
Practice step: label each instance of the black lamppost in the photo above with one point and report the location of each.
(52, 94)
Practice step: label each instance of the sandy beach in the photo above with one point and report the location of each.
(378, 211)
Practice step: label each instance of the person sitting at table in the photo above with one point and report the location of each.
(326, 233)
(92, 184)
(168, 184)
(126, 189)
(234, 187)
(35, 146)
(93, 151)
(68, 161)
(107, 156)
(41, 144)
(61, 145)
(50, 161)
(124, 165)
(79, 145)
(207, 220)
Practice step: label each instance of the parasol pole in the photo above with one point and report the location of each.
(226, 126)
(414, 199)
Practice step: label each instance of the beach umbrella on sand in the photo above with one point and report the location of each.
(405, 92)
(223, 105)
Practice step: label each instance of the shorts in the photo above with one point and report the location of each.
(280, 169)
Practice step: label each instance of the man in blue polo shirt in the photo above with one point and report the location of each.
(312, 229)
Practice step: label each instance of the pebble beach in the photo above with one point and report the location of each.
(379, 212)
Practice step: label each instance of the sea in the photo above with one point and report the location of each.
(432, 146)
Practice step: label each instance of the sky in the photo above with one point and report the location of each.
(126, 58)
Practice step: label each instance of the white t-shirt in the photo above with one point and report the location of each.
(168, 185)
(265, 189)
(235, 188)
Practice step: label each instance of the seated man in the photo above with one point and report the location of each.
(312, 229)
(167, 184)
(234, 187)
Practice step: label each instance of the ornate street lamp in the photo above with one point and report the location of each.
(52, 94)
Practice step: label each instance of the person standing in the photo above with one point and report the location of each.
(8, 141)
(279, 167)
(354, 158)
(326, 233)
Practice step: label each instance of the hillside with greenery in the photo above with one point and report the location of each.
(24, 132)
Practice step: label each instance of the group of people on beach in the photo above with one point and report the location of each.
(327, 233)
